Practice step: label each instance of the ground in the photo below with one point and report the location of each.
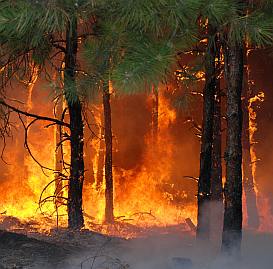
(68, 250)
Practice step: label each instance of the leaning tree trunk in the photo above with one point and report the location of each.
(75, 214)
(204, 183)
(248, 180)
(109, 203)
(232, 229)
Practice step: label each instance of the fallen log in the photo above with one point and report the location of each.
(190, 224)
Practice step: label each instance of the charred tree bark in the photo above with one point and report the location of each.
(204, 183)
(109, 203)
(232, 229)
(248, 180)
(216, 174)
(216, 204)
(75, 214)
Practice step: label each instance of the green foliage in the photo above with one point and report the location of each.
(259, 29)
(144, 66)
(141, 15)
(135, 43)
(218, 12)
(252, 24)
(27, 22)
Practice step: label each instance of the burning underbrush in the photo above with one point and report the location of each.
(147, 197)
(155, 169)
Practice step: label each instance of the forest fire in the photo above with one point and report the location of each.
(127, 124)
(144, 197)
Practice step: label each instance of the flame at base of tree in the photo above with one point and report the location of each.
(144, 197)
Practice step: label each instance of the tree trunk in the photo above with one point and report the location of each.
(109, 204)
(248, 180)
(232, 229)
(216, 174)
(204, 183)
(216, 204)
(216, 177)
(75, 214)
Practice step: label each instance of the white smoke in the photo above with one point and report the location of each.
(158, 251)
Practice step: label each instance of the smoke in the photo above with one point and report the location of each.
(177, 251)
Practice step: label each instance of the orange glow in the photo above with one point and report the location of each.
(139, 204)
(142, 202)
(143, 196)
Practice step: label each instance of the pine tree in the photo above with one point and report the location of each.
(232, 231)
(31, 31)
(248, 179)
(257, 32)
(135, 52)
(204, 182)
(75, 214)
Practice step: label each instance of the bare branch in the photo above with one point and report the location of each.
(38, 117)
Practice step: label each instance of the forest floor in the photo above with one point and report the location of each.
(68, 250)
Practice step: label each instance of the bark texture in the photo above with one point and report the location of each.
(216, 202)
(232, 229)
(109, 203)
(204, 183)
(216, 174)
(75, 213)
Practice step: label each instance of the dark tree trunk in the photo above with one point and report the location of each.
(216, 174)
(216, 204)
(204, 183)
(248, 180)
(75, 214)
(109, 203)
(232, 229)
